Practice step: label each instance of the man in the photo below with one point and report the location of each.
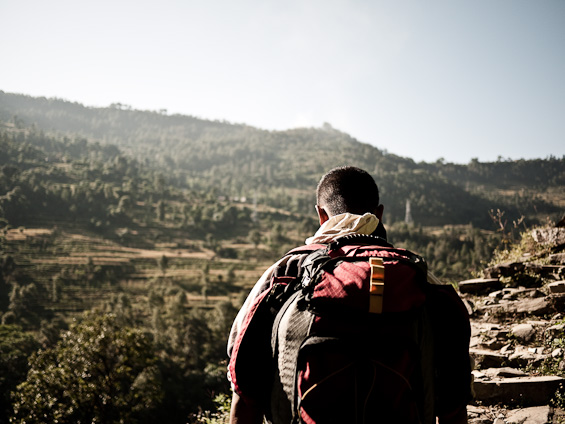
(347, 204)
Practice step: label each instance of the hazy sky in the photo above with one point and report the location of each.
(421, 79)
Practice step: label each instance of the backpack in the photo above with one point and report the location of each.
(351, 336)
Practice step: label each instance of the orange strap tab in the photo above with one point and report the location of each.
(377, 285)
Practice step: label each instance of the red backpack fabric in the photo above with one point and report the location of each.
(348, 343)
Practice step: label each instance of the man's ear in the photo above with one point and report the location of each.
(379, 212)
(322, 214)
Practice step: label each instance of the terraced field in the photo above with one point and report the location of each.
(76, 272)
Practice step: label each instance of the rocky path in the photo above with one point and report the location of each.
(518, 340)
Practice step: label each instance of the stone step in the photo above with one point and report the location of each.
(537, 306)
(478, 286)
(487, 358)
(524, 391)
(533, 415)
(547, 271)
(504, 270)
(505, 372)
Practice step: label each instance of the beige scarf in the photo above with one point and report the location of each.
(343, 225)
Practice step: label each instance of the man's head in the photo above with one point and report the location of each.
(347, 189)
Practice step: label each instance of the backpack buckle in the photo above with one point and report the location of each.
(376, 285)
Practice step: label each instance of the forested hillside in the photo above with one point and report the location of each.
(280, 168)
(156, 226)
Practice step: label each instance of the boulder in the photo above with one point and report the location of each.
(524, 332)
(527, 391)
(479, 286)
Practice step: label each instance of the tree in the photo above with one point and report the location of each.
(255, 237)
(125, 205)
(163, 264)
(276, 237)
(4, 293)
(231, 275)
(25, 305)
(160, 209)
(220, 320)
(15, 348)
(205, 281)
(99, 372)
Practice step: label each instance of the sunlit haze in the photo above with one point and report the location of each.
(422, 79)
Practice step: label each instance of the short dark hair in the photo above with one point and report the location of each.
(347, 189)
